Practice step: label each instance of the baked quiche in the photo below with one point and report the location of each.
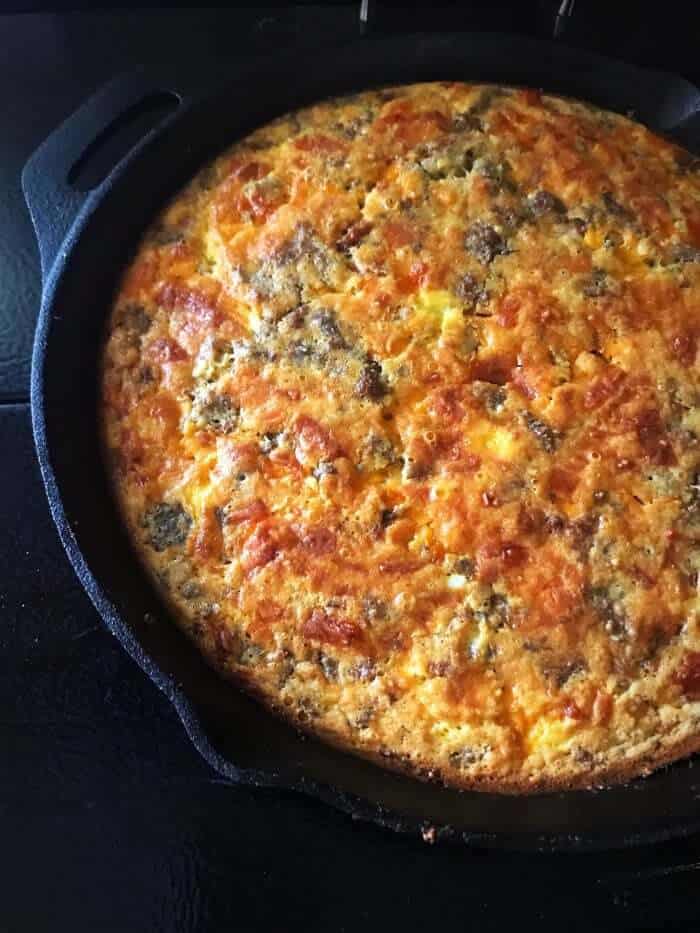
(400, 404)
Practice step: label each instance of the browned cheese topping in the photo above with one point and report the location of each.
(400, 399)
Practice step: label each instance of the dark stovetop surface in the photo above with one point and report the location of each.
(110, 821)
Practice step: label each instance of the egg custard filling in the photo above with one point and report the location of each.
(400, 405)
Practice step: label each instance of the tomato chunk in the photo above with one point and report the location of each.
(318, 540)
(602, 388)
(687, 675)
(251, 512)
(209, 539)
(313, 437)
(498, 557)
(165, 350)
(260, 548)
(330, 629)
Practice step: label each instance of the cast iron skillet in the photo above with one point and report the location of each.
(85, 241)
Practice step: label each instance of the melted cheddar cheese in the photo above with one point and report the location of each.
(400, 400)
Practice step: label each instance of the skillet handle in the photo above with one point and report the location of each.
(53, 202)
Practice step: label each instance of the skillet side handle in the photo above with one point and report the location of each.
(52, 201)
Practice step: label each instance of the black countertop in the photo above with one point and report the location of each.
(109, 819)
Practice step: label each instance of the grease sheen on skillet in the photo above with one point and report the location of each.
(400, 400)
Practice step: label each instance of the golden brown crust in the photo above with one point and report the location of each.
(638, 763)
(401, 408)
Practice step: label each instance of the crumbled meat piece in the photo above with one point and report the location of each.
(167, 525)
(134, 318)
(294, 319)
(470, 290)
(364, 671)
(554, 523)
(582, 532)
(499, 608)
(616, 209)
(374, 609)
(438, 668)
(559, 672)
(495, 611)
(493, 399)
(510, 218)
(544, 202)
(284, 291)
(300, 351)
(500, 174)
(547, 437)
(484, 243)
(465, 567)
(612, 239)
(451, 162)
(467, 121)
(353, 236)
(371, 384)
(387, 517)
(683, 252)
(327, 323)
(596, 285)
(606, 603)
(329, 667)
(216, 413)
(302, 243)
(377, 453)
(469, 755)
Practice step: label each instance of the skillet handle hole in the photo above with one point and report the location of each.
(116, 140)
